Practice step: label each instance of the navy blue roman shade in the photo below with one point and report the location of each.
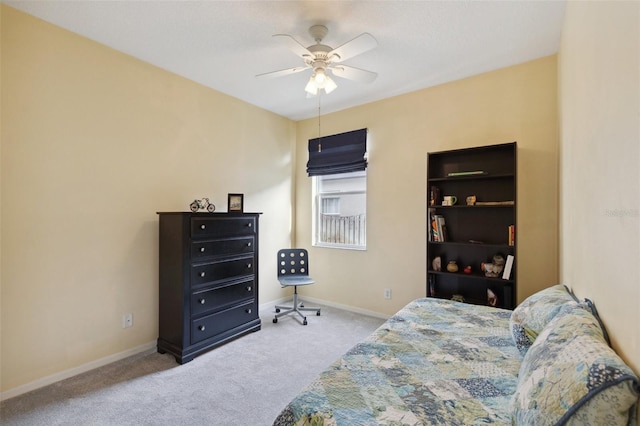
(341, 153)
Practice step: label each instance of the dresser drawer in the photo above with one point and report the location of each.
(214, 227)
(222, 321)
(216, 298)
(222, 270)
(202, 249)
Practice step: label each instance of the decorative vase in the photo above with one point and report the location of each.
(452, 266)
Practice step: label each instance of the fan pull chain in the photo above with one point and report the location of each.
(319, 139)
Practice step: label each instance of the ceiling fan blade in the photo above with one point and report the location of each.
(358, 45)
(295, 46)
(353, 73)
(281, 73)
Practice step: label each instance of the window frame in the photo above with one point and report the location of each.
(318, 196)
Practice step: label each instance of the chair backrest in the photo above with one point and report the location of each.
(293, 262)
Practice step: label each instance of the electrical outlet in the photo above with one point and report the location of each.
(387, 293)
(127, 320)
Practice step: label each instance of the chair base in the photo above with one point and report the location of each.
(296, 307)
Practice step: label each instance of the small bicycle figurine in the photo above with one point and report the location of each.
(202, 204)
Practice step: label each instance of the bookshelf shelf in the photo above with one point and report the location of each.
(473, 276)
(503, 246)
(472, 177)
(472, 234)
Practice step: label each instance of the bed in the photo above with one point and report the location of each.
(449, 363)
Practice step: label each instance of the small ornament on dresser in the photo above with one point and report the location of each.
(202, 204)
(452, 266)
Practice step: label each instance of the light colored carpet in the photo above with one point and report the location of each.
(245, 382)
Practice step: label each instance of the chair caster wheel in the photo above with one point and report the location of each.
(277, 310)
(302, 305)
(318, 313)
(275, 320)
(305, 321)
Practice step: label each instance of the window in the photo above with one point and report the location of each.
(338, 166)
(340, 211)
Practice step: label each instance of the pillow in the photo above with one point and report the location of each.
(534, 313)
(571, 376)
(594, 312)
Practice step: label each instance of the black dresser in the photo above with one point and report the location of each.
(208, 280)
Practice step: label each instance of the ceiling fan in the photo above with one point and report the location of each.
(325, 60)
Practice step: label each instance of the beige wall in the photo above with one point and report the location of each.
(600, 161)
(94, 143)
(513, 104)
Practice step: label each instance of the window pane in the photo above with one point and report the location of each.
(331, 205)
(340, 217)
(356, 181)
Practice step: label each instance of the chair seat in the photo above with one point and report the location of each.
(295, 280)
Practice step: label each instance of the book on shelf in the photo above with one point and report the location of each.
(512, 235)
(433, 228)
(437, 228)
(495, 203)
(508, 266)
(442, 228)
(469, 173)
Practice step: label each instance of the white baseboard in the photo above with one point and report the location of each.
(270, 305)
(151, 347)
(45, 381)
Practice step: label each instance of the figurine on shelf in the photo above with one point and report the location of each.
(492, 299)
(493, 269)
(202, 204)
(457, 298)
(437, 264)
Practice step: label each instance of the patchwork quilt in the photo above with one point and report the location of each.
(436, 362)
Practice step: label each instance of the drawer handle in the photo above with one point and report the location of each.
(201, 249)
(248, 288)
(248, 311)
(201, 328)
(250, 225)
(248, 266)
(201, 301)
(202, 274)
(202, 226)
(249, 244)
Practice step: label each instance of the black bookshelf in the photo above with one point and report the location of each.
(475, 232)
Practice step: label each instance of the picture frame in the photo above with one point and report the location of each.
(235, 203)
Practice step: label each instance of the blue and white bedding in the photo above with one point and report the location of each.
(439, 362)
(434, 362)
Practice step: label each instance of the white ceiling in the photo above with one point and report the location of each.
(224, 44)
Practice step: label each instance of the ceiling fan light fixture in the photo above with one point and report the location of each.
(311, 87)
(320, 76)
(329, 85)
(320, 80)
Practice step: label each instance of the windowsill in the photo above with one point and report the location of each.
(340, 246)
